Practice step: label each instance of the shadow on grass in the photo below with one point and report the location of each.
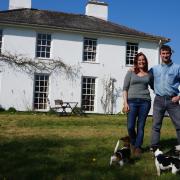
(59, 158)
(164, 144)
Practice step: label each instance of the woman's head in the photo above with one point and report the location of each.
(140, 62)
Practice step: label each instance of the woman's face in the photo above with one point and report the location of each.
(141, 62)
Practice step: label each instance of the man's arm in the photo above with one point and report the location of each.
(177, 98)
(151, 83)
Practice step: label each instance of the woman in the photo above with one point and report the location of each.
(137, 101)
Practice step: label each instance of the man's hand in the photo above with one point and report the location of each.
(131, 69)
(175, 99)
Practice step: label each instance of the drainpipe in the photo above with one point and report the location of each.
(160, 43)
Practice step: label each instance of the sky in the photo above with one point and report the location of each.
(157, 17)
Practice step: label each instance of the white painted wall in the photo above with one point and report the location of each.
(17, 88)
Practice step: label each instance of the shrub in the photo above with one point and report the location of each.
(1, 109)
(12, 110)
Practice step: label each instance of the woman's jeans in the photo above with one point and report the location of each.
(139, 109)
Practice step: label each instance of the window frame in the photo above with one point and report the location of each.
(131, 51)
(88, 90)
(90, 52)
(1, 39)
(41, 94)
(42, 45)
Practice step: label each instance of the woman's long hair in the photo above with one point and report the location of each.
(136, 68)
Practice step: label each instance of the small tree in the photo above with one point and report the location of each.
(110, 95)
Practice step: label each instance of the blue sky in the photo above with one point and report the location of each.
(157, 17)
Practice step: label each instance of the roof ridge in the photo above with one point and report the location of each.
(42, 10)
(70, 20)
(19, 9)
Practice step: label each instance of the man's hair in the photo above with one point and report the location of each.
(166, 48)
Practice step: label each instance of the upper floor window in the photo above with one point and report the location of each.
(0, 40)
(43, 45)
(131, 51)
(90, 46)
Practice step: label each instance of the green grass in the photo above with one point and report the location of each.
(40, 146)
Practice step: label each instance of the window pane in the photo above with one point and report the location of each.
(131, 51)
(41, 91)
(43, 45)
(90, 46)
(0, 40)
(88, 93)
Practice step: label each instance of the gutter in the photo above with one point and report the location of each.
(76, 30)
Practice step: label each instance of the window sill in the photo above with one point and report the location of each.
(40, 58)
(128, 65)
(89, 62)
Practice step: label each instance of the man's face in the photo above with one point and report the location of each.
(165, 56)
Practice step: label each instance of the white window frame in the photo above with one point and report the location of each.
(89, 49)
(41, 91)
(88, 93)
(43, 45)
(131, 51)
(1, 35)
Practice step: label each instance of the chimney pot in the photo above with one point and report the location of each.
(18, 4)
(97, 9)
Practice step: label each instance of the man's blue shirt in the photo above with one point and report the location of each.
(166, 79)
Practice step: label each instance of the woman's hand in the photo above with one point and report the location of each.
(125, 108)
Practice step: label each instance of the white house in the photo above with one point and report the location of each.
(104, 51)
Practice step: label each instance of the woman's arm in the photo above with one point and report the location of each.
(126, 85)
(125, 98)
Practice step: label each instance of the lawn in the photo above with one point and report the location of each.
(40, 146)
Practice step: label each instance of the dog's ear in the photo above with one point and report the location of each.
(125, 139)
(154, 148)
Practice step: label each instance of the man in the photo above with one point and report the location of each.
(166, 83)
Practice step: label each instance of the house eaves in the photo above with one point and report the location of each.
(71, 22)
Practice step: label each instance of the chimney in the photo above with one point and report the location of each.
(18, 4)
(97, 9)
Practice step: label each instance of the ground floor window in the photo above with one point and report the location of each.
(88, 93)
(41, 83)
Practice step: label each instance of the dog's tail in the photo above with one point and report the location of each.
(116, 148)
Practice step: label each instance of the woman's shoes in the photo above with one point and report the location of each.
(132, 149)
(137, 152)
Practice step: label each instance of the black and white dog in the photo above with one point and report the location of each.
(165, 162)
(174, 152)
(122, 155)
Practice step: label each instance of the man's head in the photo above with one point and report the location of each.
(165, 54)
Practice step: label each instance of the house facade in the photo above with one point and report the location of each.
(103, 51)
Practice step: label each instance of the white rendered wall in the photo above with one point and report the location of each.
(17, 88)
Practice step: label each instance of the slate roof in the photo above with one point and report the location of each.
(67, 21)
